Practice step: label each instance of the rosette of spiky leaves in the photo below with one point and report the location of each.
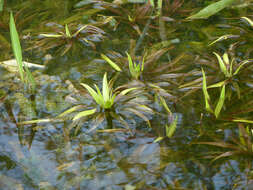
(65, 37)
(121, 104)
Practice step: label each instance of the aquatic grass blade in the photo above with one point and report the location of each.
(206, 95)
(84, 113)
(211, 9)
(16, 46)
(108, 60)
(220, 102)
(172, 128)
(222, 64)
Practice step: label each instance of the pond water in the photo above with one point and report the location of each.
(126, 147)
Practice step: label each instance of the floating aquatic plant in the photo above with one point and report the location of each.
(66, 39)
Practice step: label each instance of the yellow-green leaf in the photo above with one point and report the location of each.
(243, 121)
(34, 121)
(211, 9)
(222, 64)
(70, 110)
(108, 60)
(220, 102)
(158, 139)
(171, 129)
(51, 35)
(16, 46)
(68, 34)
(218, 84)
(206, 95)
(248, 20)
(84, 113)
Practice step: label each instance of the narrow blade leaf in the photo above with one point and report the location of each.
(106, 90)
(171, 129)
(16, 46)
(222, 64)
(220, 102)
(92, 93)
(211, 9)
(206, 95)
(114, 65)
(84, 113)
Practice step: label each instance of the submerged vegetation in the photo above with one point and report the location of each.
(172, 91)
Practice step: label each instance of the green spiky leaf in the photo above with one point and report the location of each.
(220, 102)
(206, 95)
(172, 128)
(108, 60)
(84, 114)
(16, 46)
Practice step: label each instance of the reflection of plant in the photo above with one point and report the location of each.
(85, 34)
(241, 145)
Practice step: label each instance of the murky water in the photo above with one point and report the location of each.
(121, 152)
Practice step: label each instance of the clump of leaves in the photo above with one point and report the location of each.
(135, 69)
(64, 38)
(208, 100)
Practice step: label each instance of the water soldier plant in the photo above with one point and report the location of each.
(227, 68)
(65, 40)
